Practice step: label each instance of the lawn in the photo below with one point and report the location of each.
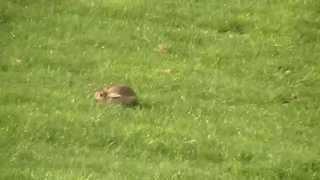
(229, 89)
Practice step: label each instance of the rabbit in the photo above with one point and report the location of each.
(117, 94)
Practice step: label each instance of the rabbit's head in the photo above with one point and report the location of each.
(100, 95)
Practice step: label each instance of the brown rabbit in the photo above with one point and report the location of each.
(117, 94)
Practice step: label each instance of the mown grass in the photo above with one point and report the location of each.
(232, 93)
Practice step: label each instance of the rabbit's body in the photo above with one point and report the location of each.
(117, 94)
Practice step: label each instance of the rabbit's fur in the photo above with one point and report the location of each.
(117, 94)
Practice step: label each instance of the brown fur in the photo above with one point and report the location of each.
(117, 94)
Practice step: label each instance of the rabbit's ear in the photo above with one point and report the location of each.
(114, 95)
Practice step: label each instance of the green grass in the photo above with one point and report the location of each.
(235, 96)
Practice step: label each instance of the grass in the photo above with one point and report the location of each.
(230, 89)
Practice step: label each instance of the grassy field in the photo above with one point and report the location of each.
(229, 89)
